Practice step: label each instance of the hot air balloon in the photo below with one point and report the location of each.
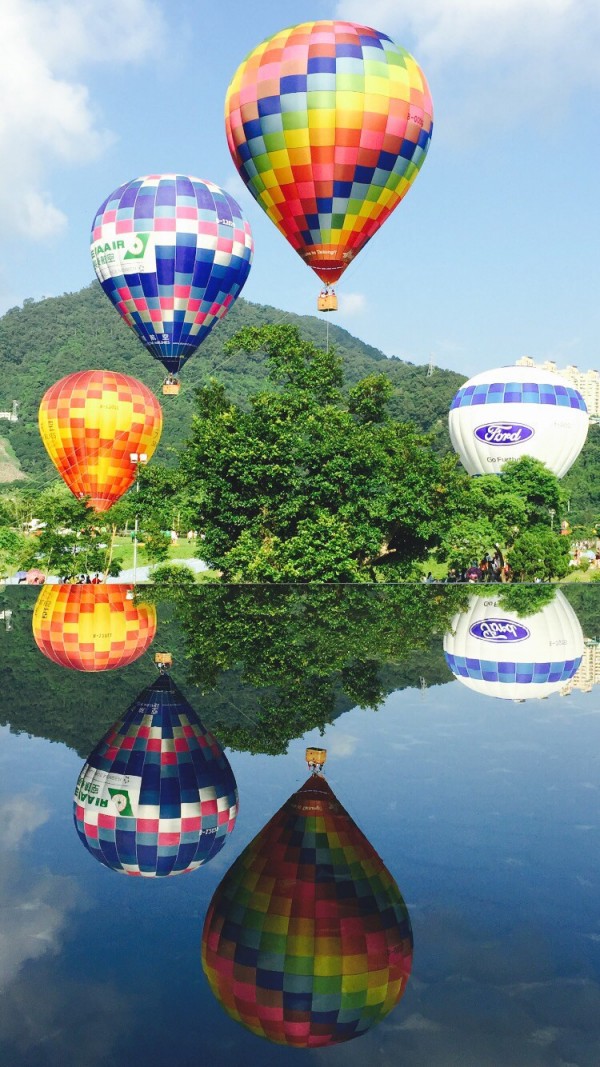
(517, 411)
(92, 627)
(172, 253)
(307, 940)
(157, 795)
(328, 124)
(91, 423)
(494, 651)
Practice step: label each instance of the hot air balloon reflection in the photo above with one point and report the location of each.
(92, 627)
(91, 423)
(515, 411)
(172, 253)
(307, 940)
(328, 124)
(157, 795)
(495, 651)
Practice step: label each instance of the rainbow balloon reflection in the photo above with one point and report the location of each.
(307, 941)
(157, 795)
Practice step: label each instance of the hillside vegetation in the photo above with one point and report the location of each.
(45, 340)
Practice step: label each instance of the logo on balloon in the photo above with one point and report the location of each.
(138, 246)
(504, 433)
(499, 630)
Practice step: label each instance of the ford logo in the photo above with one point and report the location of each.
(499, 630)
(504, 433)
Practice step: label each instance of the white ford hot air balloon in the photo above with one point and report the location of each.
(495, 652)
(512, 412)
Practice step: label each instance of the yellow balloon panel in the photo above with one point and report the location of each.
(90, 423)
(92, 627)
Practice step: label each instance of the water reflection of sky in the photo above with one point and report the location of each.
(485, 811)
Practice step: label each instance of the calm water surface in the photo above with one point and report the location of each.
(484, 809)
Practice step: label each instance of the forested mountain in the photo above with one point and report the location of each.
(45, 340)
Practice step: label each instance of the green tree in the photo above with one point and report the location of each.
(305, 486)
(68, 543)
(302, 654)
(539, 553)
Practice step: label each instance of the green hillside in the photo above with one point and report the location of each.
(45, 340)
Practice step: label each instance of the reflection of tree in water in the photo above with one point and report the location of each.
(524, 599)
(303, 655)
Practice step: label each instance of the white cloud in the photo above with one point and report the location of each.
(46, 114)
(341, 745)
(352, 304)
(34, 910)
(506, 59)
(19, 815)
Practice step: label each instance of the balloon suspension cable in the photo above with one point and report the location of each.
(315, 759)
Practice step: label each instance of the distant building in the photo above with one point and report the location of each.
(586, 381)
(588, 674)
(12, 416)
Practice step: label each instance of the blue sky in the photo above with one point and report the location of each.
(492, 255)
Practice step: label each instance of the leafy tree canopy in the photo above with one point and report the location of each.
(307, 485)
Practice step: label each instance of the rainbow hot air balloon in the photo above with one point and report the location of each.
(172, 253)
(92, 627)
(307, 940)
(328, 124)
(157, 796)
(91, 423)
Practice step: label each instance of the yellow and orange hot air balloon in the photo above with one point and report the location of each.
(91, 423)
(92, 627)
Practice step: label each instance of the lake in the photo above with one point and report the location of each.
(462, 731)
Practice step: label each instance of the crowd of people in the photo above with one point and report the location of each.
(491, 568)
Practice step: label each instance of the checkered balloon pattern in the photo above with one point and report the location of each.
(328, 124)
(307, 941)
(91, 422)
(92, 627)
(172, 253)
(157, 796)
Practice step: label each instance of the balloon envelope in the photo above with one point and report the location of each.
(92, 627)
(157, 795)
(91, 422)
(307, 940)
(172, 253)
(494, 651)
(511, 412)
(328, 124)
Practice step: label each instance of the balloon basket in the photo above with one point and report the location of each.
(327, 301)
(315, 758)
(171, 388)
(163, 660)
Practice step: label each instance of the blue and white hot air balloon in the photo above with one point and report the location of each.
(494, 651)
(157, 795)
(172, 253)
(514, 411)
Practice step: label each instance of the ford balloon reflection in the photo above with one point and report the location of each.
(517, 411)
(157, 796)
(91, 423)
(172, 253)
(307, 941)
(92, 627)
(500, 653)
(328, 124)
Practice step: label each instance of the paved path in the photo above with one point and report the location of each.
(142, 574)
